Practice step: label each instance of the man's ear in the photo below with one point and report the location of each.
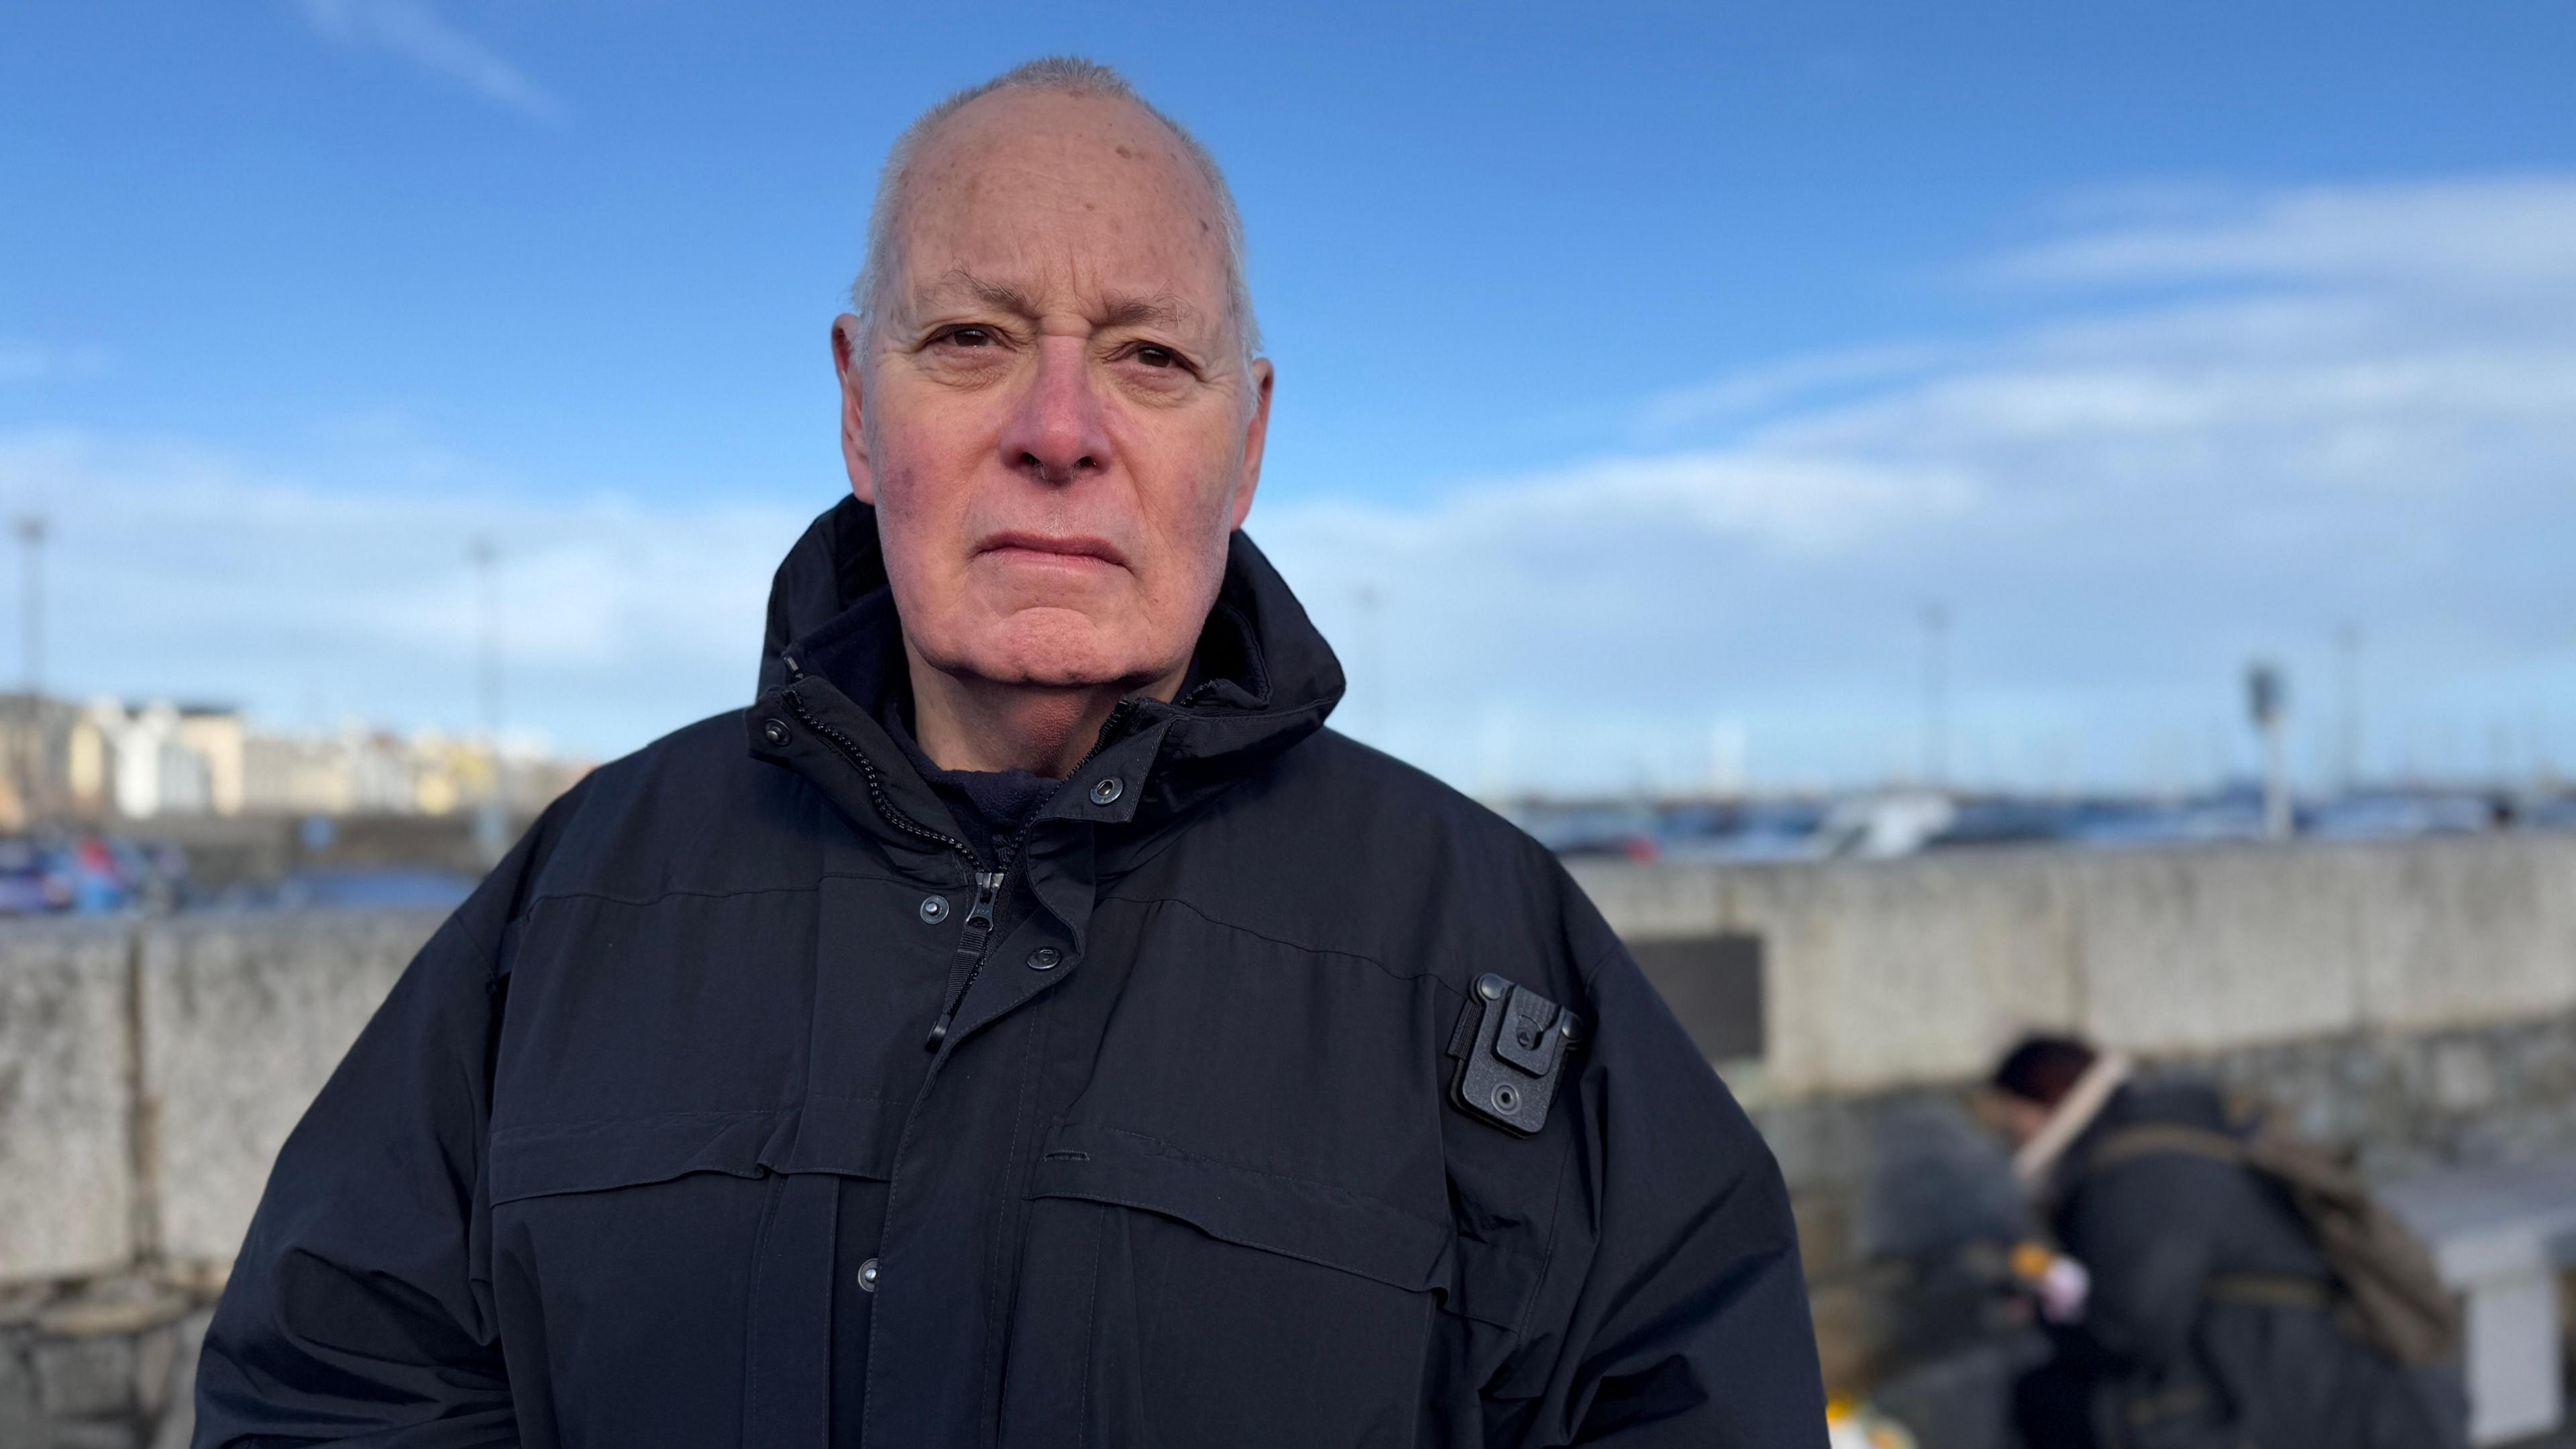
(847, 336)
(1256, 435)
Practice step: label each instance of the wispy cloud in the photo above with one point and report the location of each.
(1795, 380)
(24, 360)
(2483, 235)
(415, 31)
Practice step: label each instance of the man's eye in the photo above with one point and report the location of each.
(969, 337)
(1153, 356)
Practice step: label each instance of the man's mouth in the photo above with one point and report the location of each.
(1068, 550)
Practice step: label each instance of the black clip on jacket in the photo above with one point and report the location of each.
(1512, 1043)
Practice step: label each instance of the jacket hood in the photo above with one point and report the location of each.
(1262, 678)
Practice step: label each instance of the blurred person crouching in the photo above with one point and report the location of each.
(2237, 1287)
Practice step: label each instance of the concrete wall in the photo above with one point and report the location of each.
(150, 1070)
(243, 1019)
(1886, 974)
(67, 1200)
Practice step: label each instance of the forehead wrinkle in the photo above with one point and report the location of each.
(1160, 309)
(1001, 296)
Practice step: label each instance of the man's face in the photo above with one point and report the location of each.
(1051, 414)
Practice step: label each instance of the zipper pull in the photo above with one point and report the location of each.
(979, 923)
(988, 888)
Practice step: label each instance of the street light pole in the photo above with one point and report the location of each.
(491, 818)
(1373, 680)
(2348, 733)
(1936, 696)
(30, 763)
(487, 649)
(2267, 700)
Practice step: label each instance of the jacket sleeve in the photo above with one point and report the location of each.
(360, 1306)
(1688, 1322)
(2141, 1229)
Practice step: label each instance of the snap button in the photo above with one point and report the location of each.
(774, 732)
(934, 909)
(868, 1276)
(1045, 958)
(1106, 791)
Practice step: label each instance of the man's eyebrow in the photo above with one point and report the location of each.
(1163, 311)
(1157, 311)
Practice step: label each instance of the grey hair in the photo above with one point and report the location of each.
(1067, 75)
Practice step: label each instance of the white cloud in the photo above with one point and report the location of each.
(179, 570)
(2349, 404)
(414, 30)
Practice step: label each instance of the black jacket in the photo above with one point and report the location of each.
(611, 1163)
(2184, 1252)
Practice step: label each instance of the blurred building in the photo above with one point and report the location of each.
(36, 737)
(112, 760)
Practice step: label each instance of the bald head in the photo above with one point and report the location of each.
(1040, 120)
(1051, 396)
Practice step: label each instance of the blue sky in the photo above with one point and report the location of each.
(1651, 368)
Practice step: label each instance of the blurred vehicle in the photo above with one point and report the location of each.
(1875, 827)
(379, 888)
(1884, 824)
(87, 874)
(2394, 816)
(1627, 830)
(30, 883)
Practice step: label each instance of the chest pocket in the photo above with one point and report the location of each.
(681, 1266)
(1170, 1299)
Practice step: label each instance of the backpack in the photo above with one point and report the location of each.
(2392, 1295)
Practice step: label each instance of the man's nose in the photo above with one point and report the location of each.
(1059, 434)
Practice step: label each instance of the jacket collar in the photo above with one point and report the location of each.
(834, 644)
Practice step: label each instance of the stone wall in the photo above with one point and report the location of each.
(149, 1071)
(67, 1153)
(242, 1019)
(109, 1363)
(1886, 974)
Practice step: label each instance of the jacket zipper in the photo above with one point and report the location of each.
(876, 785)
(971, 947)
(977, 940)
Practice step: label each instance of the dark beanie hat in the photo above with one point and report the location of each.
(2043, 1069)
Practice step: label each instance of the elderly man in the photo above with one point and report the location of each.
(1025, 1024)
